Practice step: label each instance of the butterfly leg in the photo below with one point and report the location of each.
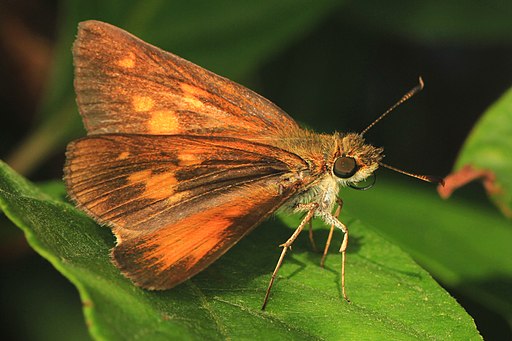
(311, 239)
(331, 219)
(331, 231)
(310, 208)
(343, 250)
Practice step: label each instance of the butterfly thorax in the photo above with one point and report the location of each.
(335, 161)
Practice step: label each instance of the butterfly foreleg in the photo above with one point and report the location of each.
(310, 208)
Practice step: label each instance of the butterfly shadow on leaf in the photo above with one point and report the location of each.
(247, 267)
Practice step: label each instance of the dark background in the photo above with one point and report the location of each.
(338, 74)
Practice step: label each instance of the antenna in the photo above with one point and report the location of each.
(404, 98)
(427, 178)
(409, 94)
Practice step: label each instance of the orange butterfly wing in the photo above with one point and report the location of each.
(177, 203)
(179, 250)
(168, 163)
(125, 85)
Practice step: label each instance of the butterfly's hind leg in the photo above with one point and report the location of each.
(333, 220)
(311, 238)
(310, 208)
(331, 231)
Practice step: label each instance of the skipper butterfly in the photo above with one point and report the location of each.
(181, 163)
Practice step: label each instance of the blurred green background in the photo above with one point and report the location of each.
(332, 65)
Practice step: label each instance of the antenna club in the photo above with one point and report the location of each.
(435, 179)
(421, 83)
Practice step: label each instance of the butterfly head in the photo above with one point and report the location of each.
(354, 160)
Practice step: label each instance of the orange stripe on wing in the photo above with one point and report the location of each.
(172, 254)
(192, 238)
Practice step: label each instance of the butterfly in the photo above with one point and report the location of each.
(182, 163)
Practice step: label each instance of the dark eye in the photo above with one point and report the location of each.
(345, 167)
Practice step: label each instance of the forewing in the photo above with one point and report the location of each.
(177, 203)
(125, 85)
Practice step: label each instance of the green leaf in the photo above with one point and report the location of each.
(392, 297)
(489, 148)
(464, 245)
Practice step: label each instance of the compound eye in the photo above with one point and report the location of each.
(345, 167)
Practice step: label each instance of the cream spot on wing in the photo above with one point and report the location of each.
(123, 155)
(127, 61)
(156, 186)
(187, 159)
(142, 103)
(193, 102)
(190, 94)
(163, 121)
